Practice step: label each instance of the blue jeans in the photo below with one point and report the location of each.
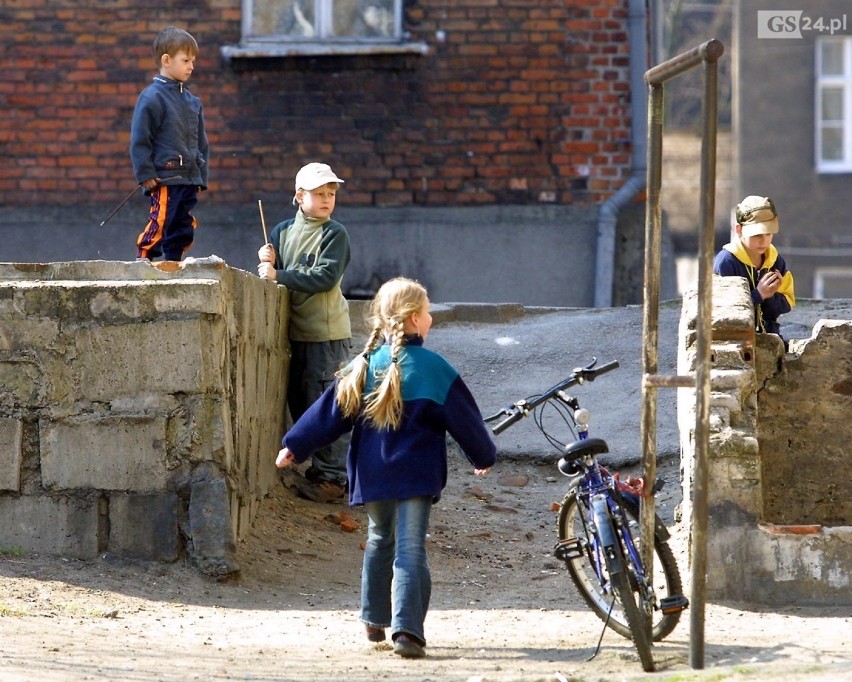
(395, 580)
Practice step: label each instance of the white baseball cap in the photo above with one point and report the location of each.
(315, 175)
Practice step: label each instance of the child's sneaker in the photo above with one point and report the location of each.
(407, 646)
(321, 491)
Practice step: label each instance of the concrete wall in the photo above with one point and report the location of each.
(533, 255)
(140, 409)
(780, 530)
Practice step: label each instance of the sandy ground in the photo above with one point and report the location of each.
(503, 607)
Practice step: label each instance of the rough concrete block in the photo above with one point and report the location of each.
(138, 373)
(188, 296)
(144, 526)
(62, 526)
(129, 302)
(20, 379)
(20, 334)
(11, 436)
(105, 453)
(124, 360)
(732, 380)
(210, 528)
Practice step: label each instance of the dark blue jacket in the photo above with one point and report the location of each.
(411, 461)
(733, 261)
(167, 136)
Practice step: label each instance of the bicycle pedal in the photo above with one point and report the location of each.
(570, 548)
(674, 603)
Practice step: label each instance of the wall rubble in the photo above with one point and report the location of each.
(779, 530)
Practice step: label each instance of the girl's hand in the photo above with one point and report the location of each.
(285, 458)
(481, 472)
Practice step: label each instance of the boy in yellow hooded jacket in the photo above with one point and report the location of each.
(752, 256)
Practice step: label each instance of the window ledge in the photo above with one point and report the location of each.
(834, 169)
(308, 49)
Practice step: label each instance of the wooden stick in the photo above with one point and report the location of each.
(262, 221)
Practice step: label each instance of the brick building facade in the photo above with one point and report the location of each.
(514, 102)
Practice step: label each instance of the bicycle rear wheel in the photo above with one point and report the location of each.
(666, 576)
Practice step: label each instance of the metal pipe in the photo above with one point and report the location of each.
(664, 381)
(703, 358)
(651, 322)
(611, 208)
(708, 53)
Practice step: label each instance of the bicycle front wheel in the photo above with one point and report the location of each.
(618, 574)
(666, 576)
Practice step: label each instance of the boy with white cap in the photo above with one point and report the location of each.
(308, 254)
(752, 256)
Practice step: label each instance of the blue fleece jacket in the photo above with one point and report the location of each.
(411, 461)
(167, 136)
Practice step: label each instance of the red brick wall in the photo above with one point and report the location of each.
(524, 101)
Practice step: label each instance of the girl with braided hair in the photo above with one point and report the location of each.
(400, 401)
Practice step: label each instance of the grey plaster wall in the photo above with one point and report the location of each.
(541, 255)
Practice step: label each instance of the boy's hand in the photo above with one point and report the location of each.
(266, 254)
(285, 458)
(266, 271)
(769, 284)
(151, 183)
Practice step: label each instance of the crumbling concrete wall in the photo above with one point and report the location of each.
(779, 531)
(805, 411)
(140, 409)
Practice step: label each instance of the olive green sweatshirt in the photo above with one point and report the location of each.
(311, 257)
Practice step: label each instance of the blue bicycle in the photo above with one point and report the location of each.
(598, 524)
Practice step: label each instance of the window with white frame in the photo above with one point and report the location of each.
(834, 105)
(280, 28)
(322, 19)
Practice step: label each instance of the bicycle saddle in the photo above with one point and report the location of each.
(581, 448)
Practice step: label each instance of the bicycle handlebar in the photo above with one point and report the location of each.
(523, 407)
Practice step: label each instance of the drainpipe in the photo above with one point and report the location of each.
(609, 211)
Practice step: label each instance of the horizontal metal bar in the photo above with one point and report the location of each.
(707, 51)
(669, 380)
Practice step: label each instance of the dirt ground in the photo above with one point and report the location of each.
(503, 608)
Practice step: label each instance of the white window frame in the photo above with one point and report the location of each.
(823, 275)
(844, 82)
(322, 44)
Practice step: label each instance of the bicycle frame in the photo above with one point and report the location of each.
(595, 518)
(597, 483)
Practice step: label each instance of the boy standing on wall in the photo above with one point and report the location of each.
(308, 254)
(169, 149)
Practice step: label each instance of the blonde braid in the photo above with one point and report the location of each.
(394, 302)
(383, 407)
(353, 377)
